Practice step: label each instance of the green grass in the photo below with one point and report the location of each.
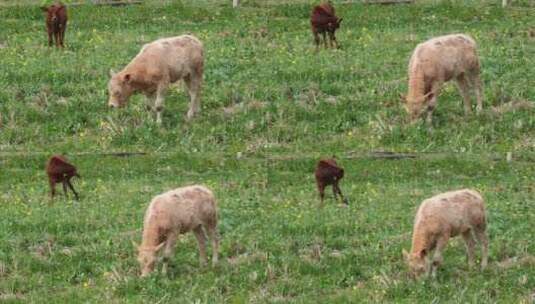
(271, 100)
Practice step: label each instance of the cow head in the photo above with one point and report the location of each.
(119, 89)
(147, 258)
(415, 107)
(334, 25)
(338, 21)
(52, 11)
(416, 262)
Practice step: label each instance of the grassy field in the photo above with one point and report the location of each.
(271, 108)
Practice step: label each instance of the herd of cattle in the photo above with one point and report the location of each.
(193, 208)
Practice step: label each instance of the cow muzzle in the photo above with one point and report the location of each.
(114, 104)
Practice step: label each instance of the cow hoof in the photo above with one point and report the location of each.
(190, 115)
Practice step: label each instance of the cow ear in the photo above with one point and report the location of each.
(44, 8)
(405, 254)
(127, 78)
(429, 94)
(340, 20)
(159, 247)
(112, 73)
(422, 253)
(402, 98)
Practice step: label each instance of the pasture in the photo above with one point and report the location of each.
(271, 106)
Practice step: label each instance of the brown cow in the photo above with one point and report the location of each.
(56, 23)
(59, 170)
(323, 20)
(329, 173)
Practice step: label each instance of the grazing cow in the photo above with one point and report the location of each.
(437, 61)
(440, 218)
(157, 65)
(323, 20)
(175, 212)
(56, 23)
(329, 173)
(59, 170)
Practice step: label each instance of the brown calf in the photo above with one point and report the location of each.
(59, 170)
(56, 23)
(329, 173)
(323, 20)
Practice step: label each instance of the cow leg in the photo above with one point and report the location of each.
(201, 239)
(211, 229)
(334, 191)
(60, 38)
(194, 83)
(432, 102)
(158, 104)
(72, 189)
(437, 256)
(63, 28)
(149, 101)
(65, 188)
(323, 34)
(56, 38)
(481, 236)
(479, 93)
(340, 193)
(464, 89)
(333, 39)
(321, 189)
(49, 37)
(475, 81)
(470, 243)
(316, 39)
(52, 188)
(168, 249)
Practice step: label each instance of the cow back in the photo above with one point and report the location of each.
(322, 15)
(58, 165)
(328, 170)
